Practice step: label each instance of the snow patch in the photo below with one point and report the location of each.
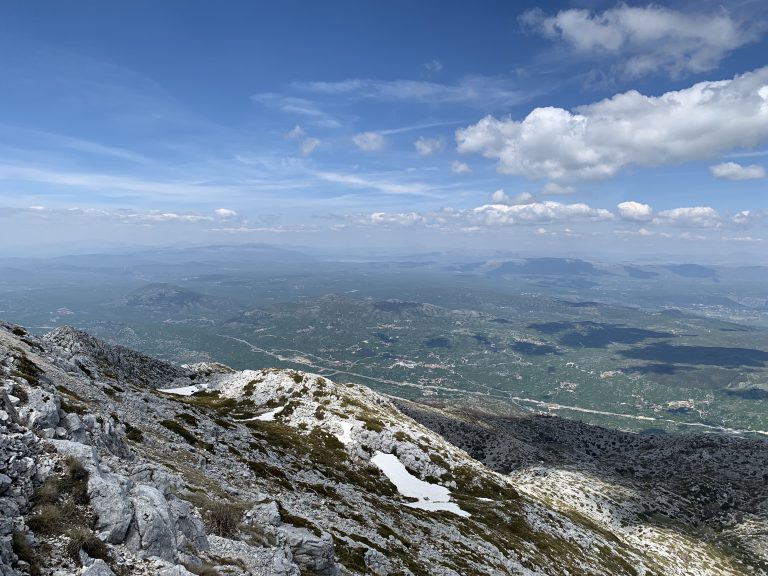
(346, 431)
(430, 496)
(184, 390)
(268, 416)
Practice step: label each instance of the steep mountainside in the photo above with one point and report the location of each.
(114, 463)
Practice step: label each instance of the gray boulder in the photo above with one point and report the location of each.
(175, 571)
(152, 533)
(41, 411)
(311, 552)
(264, 513)
(114, 510)
(98, 568)
(189, 527)
(377, 563)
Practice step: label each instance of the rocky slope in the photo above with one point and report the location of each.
(114, 463)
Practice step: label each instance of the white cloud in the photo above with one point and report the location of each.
(308, 146)
(369, 141)
(108, 184)
(553, 188)
(734, 171)
(458, 167)
(635, 211)
(484, 91)
(295, 133)
(536, 213)
(384, 186)
(433, 66)
(307, 109)
(389, 219)
(649, 39)
(500, 197)
(225, 213)
(600, 139)
(428, 146)
(692, 217)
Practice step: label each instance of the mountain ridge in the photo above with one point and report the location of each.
(202, 468)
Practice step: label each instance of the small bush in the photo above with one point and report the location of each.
(372, 423)
(223, 518)
(75, 481)
(188, 418)
(25, 552)
(19, 331)
(298, 521)
(174, 426)
(48, 519)
(85, 540)
(21, 394)
(133, 433)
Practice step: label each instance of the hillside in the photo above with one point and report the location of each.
(112, 462)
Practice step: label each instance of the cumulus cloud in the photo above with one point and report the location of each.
(500, 197)
(553, 188)
(428, 146)
(225, 213)
(389, 218)
(692, 217)
(734, 171)
(598, 140)
(649, 39)
(536, 213)
(458, 167)
(635, 211)
(369, 141)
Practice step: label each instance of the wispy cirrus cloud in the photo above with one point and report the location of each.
(110, 184)
(308, 109)
(473, 91)
(374, 183)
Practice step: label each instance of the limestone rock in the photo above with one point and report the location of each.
(152, 533)
(377, 563)
(98, 568)
(42, 409)
(312, 553)
(114, 510)
(189, 527)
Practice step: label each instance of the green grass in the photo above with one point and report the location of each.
(179, 429)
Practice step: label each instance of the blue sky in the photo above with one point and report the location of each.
(561, 127)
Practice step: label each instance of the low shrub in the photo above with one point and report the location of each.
(85, 540)
(25, 552)
(223, 518)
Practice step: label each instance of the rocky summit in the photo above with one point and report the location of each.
(114, 463)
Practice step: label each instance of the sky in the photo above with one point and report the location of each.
(561, 128)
